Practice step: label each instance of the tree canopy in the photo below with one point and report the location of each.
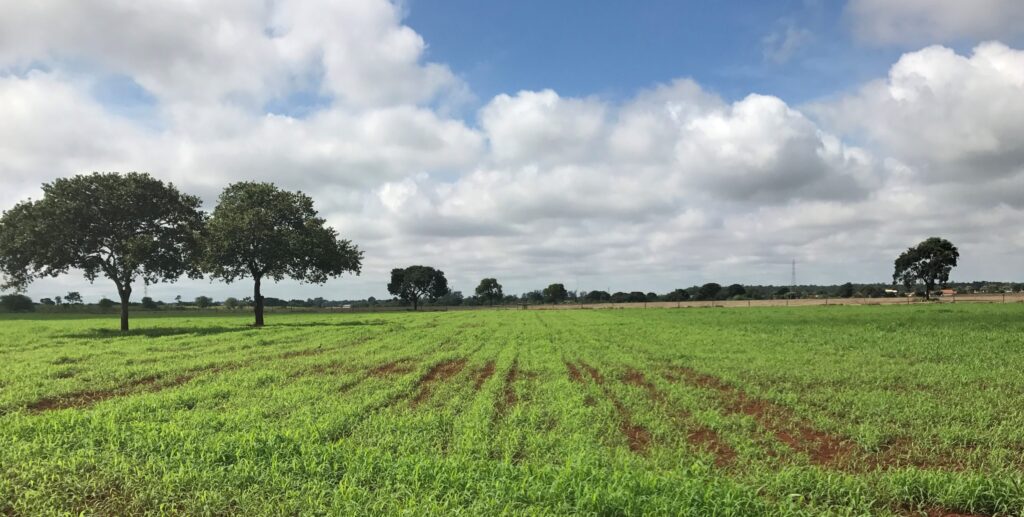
(489, 291)
(125, 227)
(262, 232)
(929, 262)
(555, 293)
(709, 291)
(418, 282)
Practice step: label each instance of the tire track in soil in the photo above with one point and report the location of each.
(823, 448)
(698, 436)
(637, 437)
(485, 373)
(508, 397)
(438, 373)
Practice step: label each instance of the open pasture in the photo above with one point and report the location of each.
(771, 411)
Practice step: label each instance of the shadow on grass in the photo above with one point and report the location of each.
(113, 333)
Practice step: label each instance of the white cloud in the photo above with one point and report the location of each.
(919, 22)
(780, 46)
(951, 117)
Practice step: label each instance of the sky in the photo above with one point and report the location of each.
(604, 145)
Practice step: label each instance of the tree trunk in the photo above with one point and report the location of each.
(415, 302)
(257, 302)
(125, 295)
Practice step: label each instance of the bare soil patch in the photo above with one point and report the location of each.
(391, 368)
(574, 372)
(823, 448)
(485, 373)
(637, 437)
(438, 373)
(82, 399)
(508, 392)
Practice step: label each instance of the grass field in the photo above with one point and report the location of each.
(767, 411)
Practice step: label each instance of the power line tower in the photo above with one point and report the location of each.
(792, 279)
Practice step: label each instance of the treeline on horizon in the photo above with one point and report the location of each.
(73, 301)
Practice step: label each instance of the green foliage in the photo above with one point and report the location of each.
(418, 282)
(125, 227)
(203, 302)
(149, 304)
(735, 291)
(709, 291)
(73, 298)
(259, 231)
(555, 293)
(489, 291)
(105, 304)
(929, 262)
(232, 303)
(16, 303)
(678, 295)
(845, 290)
(203, 415)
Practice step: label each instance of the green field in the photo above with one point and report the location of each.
(773, 411)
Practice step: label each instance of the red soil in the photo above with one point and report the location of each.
(438, 373)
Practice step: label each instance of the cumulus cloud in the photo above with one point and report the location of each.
(917, 22)
(248, 51)
(951, 117)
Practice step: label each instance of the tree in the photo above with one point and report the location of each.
(46, 301)
(148, 303)
(489, 290)
(58, 300)
(203, 302)
(73, 297)
(17, 303)
(105, 304)
(929, 262)
(735, 291)
(845, 290)
(452, 298)
(597, 297)
(555, 293)
(126, 227)
(678, 295)
(709, 291)
(177, 300)
(262, 232)
(416, 282)
(637, 297)
(231, 303)
(534, 297)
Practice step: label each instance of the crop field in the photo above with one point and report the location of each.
(879, 410)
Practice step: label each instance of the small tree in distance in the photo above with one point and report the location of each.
(418, 282)
(262, 232)
(929, 262)
(555, 293)
(489, 290)
(203, 302)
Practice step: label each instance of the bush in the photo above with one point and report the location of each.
(17, 303)
(106, 304)
(148, 303)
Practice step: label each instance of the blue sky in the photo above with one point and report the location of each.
(612, 145)
(612, 49)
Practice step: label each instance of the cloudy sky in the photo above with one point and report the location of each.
(605, 145)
